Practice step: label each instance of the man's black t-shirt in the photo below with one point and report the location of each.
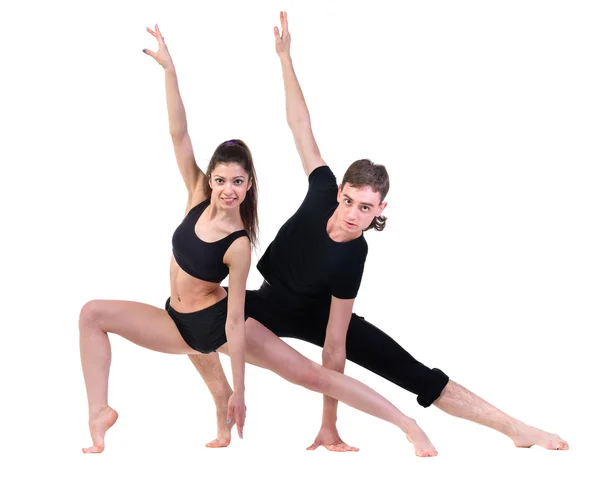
(303, 264)
(304, 268)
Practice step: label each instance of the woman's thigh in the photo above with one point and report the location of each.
(140, 323)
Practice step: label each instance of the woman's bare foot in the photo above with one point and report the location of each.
(99, 424)
(528, 436)
(223, 429)
(420, 441)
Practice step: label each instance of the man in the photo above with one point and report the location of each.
(313, 270)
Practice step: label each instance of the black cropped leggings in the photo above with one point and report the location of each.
(366, 345)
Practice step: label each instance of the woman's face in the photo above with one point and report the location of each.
(229, 183)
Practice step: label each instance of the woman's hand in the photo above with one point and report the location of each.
(162, 56)
(237, 412)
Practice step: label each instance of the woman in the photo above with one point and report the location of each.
(213, 240)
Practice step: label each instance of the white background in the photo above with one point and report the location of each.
(486, 115)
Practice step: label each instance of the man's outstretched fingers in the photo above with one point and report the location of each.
(284, 23)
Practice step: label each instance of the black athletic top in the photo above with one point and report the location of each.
(303, 263)
(198, 258)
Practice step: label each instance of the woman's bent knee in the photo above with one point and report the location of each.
(90, 313)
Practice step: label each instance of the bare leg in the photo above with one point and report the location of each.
(209, 367)
(142, 324)
(373, 349)
(266, 350)
(460, 402)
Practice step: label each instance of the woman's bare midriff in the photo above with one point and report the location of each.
(189, 294)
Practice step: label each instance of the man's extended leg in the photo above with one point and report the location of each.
(371, 348)
(460, 402)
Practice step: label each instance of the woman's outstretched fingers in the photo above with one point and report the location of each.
(149, 53)
(229, 414)
(238, 415)
(161, 55)
(240, 419)
(156, 34)
(146, 50)
(157, 30)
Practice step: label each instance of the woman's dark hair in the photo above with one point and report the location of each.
(363, 173)
(236, 151)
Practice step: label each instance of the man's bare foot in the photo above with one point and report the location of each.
(99, 424)
(529, 436)
(421, 443)
(223, 429)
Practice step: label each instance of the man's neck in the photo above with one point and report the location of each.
(335, 230)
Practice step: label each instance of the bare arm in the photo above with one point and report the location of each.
(334, 350)
(297, 115)
(184, 153)
(238, 259)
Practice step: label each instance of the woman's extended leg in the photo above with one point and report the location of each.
(266, 350)
(141, 324)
